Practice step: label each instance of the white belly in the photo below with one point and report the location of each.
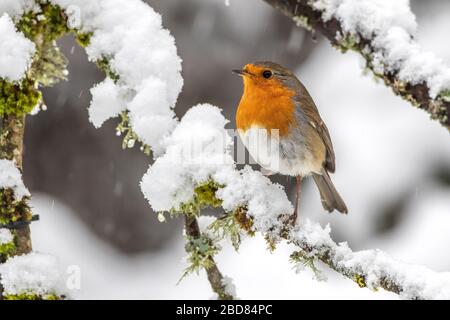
(280, 155)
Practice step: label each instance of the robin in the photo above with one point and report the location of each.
(281, 128)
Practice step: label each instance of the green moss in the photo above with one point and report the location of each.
(31, 296)
(104, 65)
(360, 280)
(84, 39)
(445, 95)
(48, 66)
(7, 250)
(204, 197)
(11, 209)
(18, 99)
(50, 23)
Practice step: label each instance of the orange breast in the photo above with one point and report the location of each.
(269, 106)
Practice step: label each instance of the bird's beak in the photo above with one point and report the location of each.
(240, 72)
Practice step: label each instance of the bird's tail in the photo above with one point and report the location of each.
(328, 194)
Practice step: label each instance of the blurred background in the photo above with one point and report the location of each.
(393, 162)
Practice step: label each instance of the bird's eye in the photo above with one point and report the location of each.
(267, 74)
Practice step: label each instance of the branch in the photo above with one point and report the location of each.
(14, 207)
(215, 277)
(370, 268)
(408, 74)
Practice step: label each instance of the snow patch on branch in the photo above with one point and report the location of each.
(204, 222)
(230, 288)
(195, 151)
(107, 102)
(265, 201)
(16, 51)
(413, 282)
(129, 34)
(32, 274)
(391, 27)
(5, 236)
(198, 150)
(11, 178)
(16, 8)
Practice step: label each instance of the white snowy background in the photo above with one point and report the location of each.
(386, 151)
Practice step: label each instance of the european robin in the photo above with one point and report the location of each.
(276, 106)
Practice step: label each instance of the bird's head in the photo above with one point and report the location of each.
(268, 77)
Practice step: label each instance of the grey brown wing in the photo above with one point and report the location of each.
(312, 116)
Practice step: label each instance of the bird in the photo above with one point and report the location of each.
(280, 125)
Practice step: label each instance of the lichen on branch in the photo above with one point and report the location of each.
(201, 250)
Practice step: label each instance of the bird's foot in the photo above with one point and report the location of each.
(293, 218)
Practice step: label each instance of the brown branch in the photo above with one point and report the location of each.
(12, 130)
(417, 94)
(215, 277)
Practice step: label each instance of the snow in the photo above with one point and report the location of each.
(391, 27)
(204, 221)
(34, 273)
(107, 101)
(5, 236)
(15, 8)
(194, 152)
(11, 178)
(230, 288)
(143, 54)
(415, 281)
(199, 150)
(264, 200)
(16, 51)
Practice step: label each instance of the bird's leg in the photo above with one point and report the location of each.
(298, 190)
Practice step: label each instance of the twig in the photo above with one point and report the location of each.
(215, 277)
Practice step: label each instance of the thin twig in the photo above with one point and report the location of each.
(215, 277)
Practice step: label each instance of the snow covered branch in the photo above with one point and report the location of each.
(370, 268)
(383, 33)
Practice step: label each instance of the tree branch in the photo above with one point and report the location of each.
(370, 268)
(215, 277)
(12, 130)
(304, 13)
